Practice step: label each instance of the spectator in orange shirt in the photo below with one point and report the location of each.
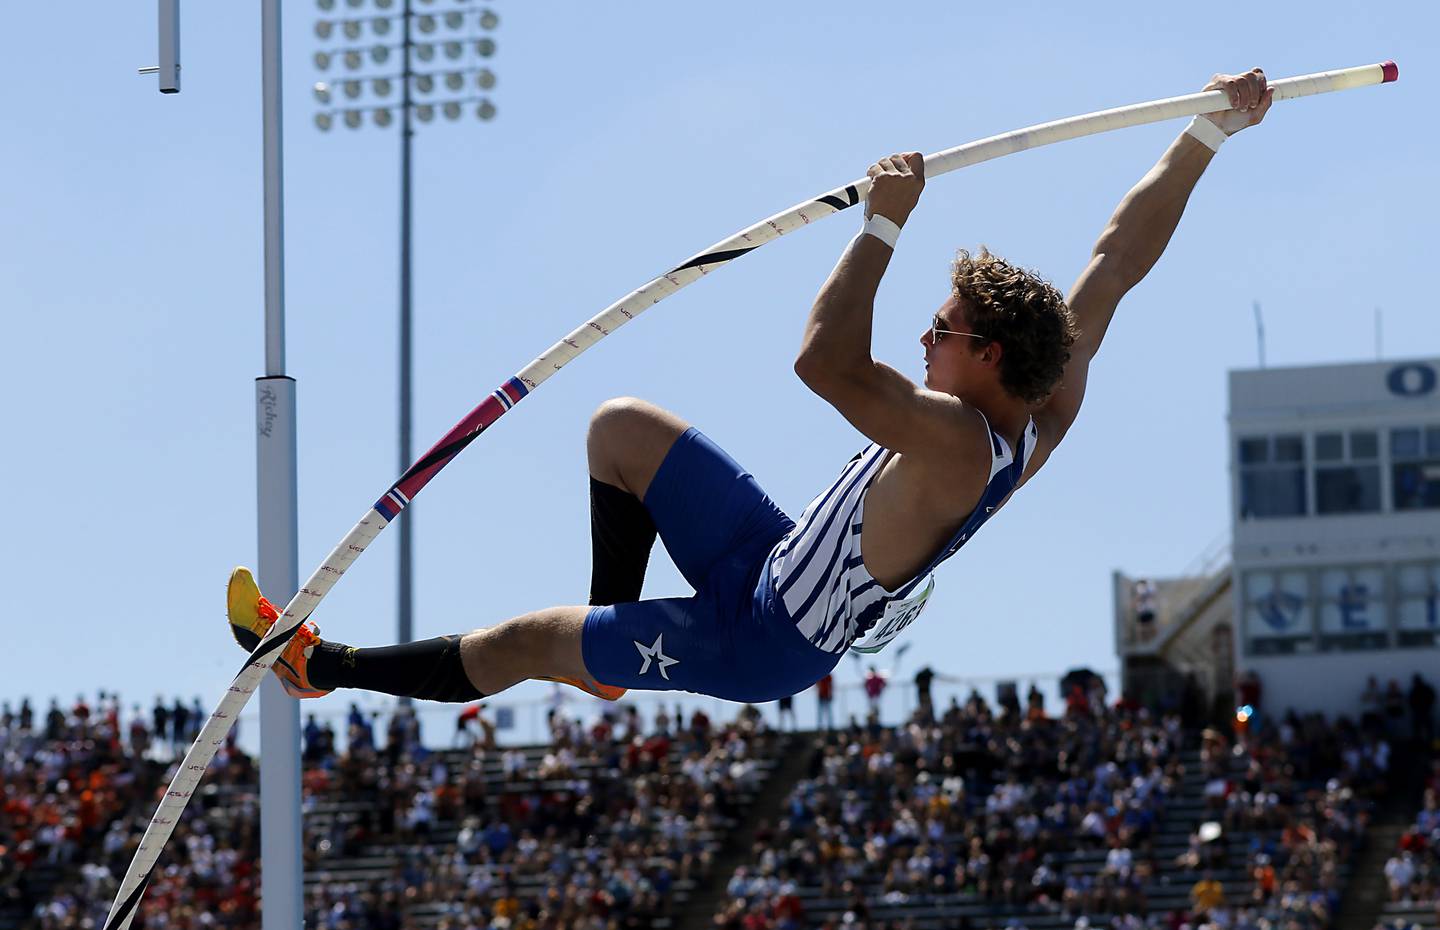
(508, 905)
(1206, 894)
(1264, 875)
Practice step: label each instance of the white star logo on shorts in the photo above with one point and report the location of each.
(655, 651)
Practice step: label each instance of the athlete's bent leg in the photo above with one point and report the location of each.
(628, 440)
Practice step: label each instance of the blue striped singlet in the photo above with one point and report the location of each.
(819, 575)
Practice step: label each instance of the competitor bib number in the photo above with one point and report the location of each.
(898, 615)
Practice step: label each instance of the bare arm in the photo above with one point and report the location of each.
(1135, 238)
(835, 360)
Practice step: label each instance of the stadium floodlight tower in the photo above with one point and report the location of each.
(452, 47)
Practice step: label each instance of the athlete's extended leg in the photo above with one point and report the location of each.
(541, 644)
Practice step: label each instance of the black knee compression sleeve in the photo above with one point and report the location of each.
(621, 536)
(430, 670)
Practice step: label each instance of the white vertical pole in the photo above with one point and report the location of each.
(282, 869)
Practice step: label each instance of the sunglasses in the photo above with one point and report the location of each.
(936, 332)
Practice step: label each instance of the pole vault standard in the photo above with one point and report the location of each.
(516, 389)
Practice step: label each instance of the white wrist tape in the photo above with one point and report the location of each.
(882, 229)
(1208, 133)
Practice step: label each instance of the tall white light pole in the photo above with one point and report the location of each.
(282, 869)
(453, 44)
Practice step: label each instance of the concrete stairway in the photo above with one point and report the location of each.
(710, 896)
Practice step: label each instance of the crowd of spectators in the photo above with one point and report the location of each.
(596, 831)
(1000, 805)
(991, 806)
(1389, 709)
(978, 802)
(68, 781)
(1302, 790)
(599, 829)
(1412, 873)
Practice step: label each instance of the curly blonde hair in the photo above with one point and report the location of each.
(1024, 313)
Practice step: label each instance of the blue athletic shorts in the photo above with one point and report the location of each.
(732, 639)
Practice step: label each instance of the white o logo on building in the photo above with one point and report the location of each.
(1411, 380)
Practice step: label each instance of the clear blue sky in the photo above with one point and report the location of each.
(629, 137)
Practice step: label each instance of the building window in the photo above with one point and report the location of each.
(1278, 614)
(1417, 603)
(1352, 608)
(1415, 467)
(1272, 476)
(1347, 480)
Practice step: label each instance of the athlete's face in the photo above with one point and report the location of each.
(954, 357)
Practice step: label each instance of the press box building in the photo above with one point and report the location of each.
(1335, 505)
(1333, 573)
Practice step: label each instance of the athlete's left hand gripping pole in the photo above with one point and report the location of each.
(504, 398)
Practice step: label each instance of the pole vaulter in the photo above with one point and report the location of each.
(517, 388)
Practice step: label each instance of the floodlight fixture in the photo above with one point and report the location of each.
(461, 43)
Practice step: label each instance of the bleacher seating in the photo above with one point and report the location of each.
(589, 830)
(1412, 872)
(1094, 818)
(977, 819)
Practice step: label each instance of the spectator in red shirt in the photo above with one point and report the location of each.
(875, 683)
(824, 701)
